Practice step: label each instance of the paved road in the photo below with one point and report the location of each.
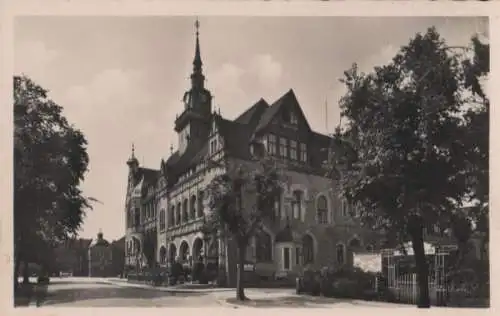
(94, 292)
(80, 292)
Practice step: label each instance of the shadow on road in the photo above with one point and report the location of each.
(68, 295)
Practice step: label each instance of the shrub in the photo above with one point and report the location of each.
(43, 279)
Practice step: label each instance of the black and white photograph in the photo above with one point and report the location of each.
(251, 161)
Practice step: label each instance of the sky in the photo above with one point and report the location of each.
(121, 79)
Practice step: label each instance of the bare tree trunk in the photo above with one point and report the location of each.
(240, 289)
(421, 263)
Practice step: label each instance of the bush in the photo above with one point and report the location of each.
(43, 280)
(341, 283)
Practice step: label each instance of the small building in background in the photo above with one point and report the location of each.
(100, 255)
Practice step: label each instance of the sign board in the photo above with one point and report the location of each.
(248, 267)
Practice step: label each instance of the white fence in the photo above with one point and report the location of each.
(405, 288)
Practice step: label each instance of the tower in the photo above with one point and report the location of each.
(193, 125)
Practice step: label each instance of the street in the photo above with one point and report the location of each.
(97, 292)
(90, 292)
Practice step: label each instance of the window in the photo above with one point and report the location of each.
(171, 217)
(293, 150)
(271, 144)
(162, 219)
(286, 258)
(293, 118)
(137, 217)
(213, 146)
(283, 143)
(297, 256)
(340, 254)
(345, 208)
(297, 204)
(185, 215)
(178, 215)
(322, 210)
(307, 249)
(200, 204)
(263, 247)
(357, 209)
(303, 152)
(192, 209)
(277, 207)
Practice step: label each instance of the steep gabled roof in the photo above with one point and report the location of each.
(253, 115)
(288, 98)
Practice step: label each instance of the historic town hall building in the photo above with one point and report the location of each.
(165, 207)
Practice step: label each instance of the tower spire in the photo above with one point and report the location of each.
(197, 63)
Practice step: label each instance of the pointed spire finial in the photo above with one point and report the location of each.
(197, 56)
(133, 150)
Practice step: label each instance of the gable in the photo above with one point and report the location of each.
(286, 112)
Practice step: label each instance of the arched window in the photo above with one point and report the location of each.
(307, 249)
(200, 210)
(178, 214)
(340, 250)
(184, 251)
(192, 206)
(163, 255)
(297, 204)
(185, 215)
(171, 216)
(162, 219)
(263, 247)
(322, 210)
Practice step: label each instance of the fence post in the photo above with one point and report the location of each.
(414, 287)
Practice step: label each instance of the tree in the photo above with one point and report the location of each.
(476, 70)
(239, 200)
(50, 161)
(403, 152)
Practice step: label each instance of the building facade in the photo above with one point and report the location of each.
(165, 208)
(100, 254)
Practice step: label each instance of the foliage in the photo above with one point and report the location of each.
(340, 283)
(50, 161)
(404, 154)
(239, 200)
(231, 210)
